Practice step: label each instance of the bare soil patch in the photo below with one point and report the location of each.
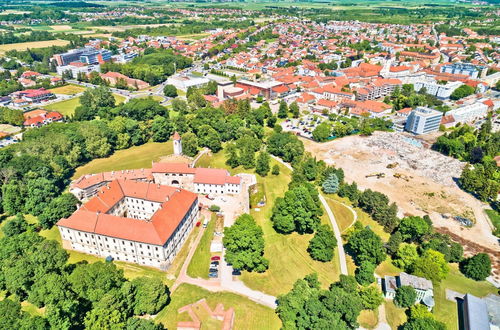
(431, 187)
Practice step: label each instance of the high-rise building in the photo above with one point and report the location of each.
(423, 120)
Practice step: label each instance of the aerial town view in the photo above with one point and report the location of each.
(250, 164)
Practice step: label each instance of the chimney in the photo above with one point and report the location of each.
(167, 198)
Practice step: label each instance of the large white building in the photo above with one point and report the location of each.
(423, 120)
(442, 91)
(469, 113)
(133, 221)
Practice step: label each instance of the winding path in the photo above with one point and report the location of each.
(336, 230)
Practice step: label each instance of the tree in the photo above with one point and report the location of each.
(208, 137)
(262, 167)
(406, 256)
(423, 324)
(364, 273)
(414, 228)
(275, 170)
(15, 226)
(420, 312)
(302, 307)
(95, 99)
(233, 159)
(432, 265)
(283, 109)
(180, 106)
(60, 207)
(367, 246)
(298, 210)
(170, 91)
(135, 323)
(13, 195)
(295, 110)
(331, 184)
(50, 289)
(477, 267)
(150, 295)
(322, 245)
(93, 281)
(190, 144)
(461, 92)
(161, 128)
(371, 297)
(405, 296)
(244, 243)
(247, 157)
(321, 132)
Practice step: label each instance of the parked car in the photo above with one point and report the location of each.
(236, 272)
(215, 258)
(214, 263)
(213, 274)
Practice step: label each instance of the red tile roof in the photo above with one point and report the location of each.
(92, 217)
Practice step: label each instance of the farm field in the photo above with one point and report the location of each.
(132, 158)
(248, 315)
(287, 254)
(32, 44)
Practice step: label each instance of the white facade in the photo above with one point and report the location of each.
(470, 112)
(75, 70)
(159, 256)
(438, 90)
(423, 120)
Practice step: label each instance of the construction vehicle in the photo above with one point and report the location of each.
(392, 165)
(378, 175)
(401, 176)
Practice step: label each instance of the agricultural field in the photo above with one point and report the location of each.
(32, 44)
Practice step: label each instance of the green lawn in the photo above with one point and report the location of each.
(495, 220)
(132, 158)
(287, 254)
(368, 319)
(248, 315)
(68, 89)
(343, 215)
(198, 267)
(395, 316)
(67, 107)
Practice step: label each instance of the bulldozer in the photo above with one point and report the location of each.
(401, 176)
(392, 165)
(378, 175)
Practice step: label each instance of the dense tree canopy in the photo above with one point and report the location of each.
(322, 245)
(477, 267)
(244, 243)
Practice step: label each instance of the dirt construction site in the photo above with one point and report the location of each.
(419, 180)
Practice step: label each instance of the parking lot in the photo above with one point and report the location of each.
(302, 126)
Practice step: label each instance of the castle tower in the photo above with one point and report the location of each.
(177, 144)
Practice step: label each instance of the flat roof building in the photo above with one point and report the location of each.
(423, 120)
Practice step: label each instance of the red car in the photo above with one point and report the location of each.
(214, 258)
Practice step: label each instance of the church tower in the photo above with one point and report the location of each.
(177, 144)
